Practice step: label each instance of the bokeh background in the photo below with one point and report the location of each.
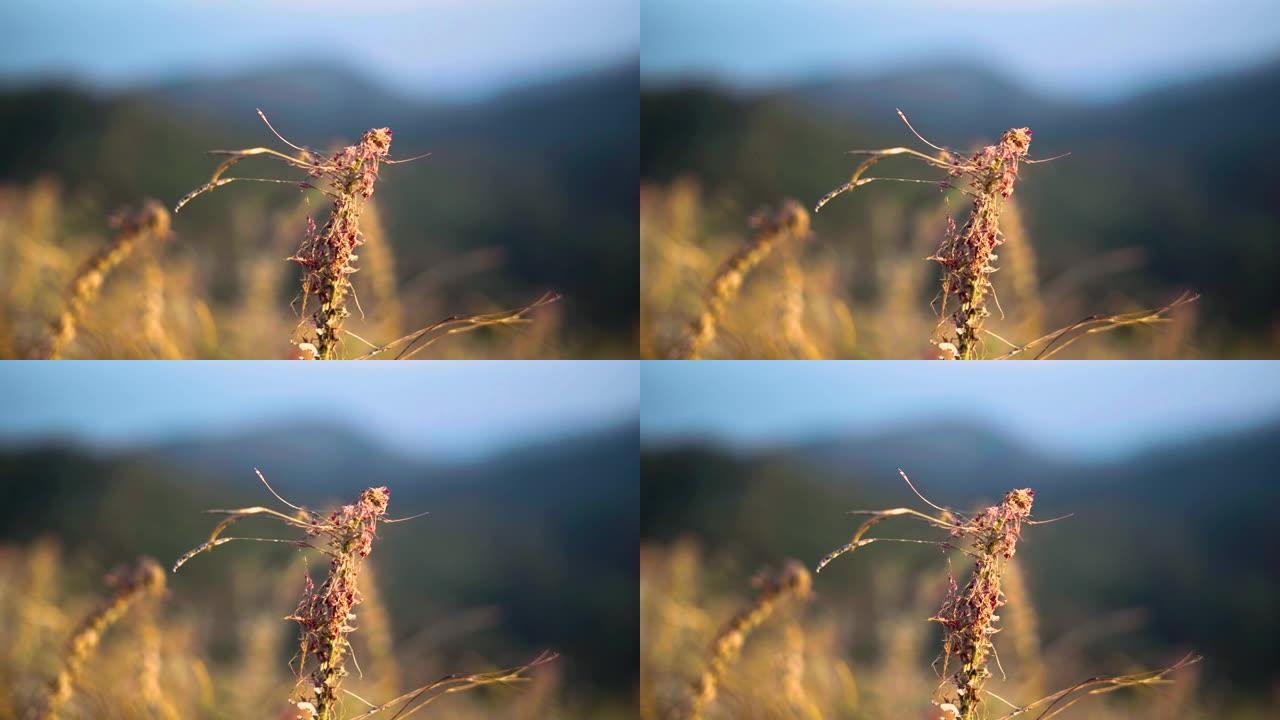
(530, 113)
(1165, 468)
(528, 470)
(1165, 107)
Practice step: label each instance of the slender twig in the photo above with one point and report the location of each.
(419, 340)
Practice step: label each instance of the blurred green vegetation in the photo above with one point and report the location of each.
(529, 550)
(1168, 190)
(1168, 550)
(528, 191)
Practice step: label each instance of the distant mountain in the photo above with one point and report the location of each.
(309, 459)
(966, 100)
(321, 99)
(317, 459)
(930, 453)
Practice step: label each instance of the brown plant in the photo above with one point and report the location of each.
(151, 221)
(129, 585)
(967, 253)
(969, 614)
(792, 581)
(790, 221)
(327, 253)
(325, 614)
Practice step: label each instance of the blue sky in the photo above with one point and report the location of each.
(1082, 408)
(1081, 48)
(436, 409)
(426, 48)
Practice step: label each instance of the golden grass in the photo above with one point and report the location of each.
(866, 658)
(867, 293)
(124, 296)
(69, 653)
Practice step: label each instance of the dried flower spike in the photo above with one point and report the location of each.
(968, 616)
(129, 585)
(790, 220)
(328, 254)
(792, 581)
(967, 256)
(132, 228)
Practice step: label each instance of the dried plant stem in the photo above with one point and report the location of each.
(968, 256)
(968, 615)
(328, 255)
(791, 220)
(130, 585)
(791, 582)
(150, 221)
(325, 615)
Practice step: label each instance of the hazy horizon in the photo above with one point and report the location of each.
(456, 51)
(456, 411)
(1078, 49)
(1067, 409)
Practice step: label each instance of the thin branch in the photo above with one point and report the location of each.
(918, 135)
(457, 324)
(274, 493)
(1058, 702)
(1058, 340)
(406, 160)
(205, 547)
(405, 519)
(278, 135)
(455, 683)
(226, 181)
(917, 492)
(877, 516)
(1045, 160)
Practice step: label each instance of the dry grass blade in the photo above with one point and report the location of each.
(878, 516)
(857, 180)
(1058, 340)
(234, 515)
(415, 700)
(419, 340)
(1057, 703)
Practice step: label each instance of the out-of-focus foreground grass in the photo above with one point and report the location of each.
(872, 295)
(169, 659)
(173, 299)
(875, 657)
